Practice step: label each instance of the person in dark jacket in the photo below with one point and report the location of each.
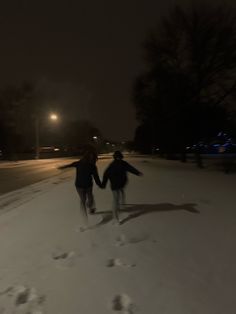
(86, 171)
(116, 173)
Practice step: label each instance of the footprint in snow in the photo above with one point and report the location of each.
(123, 240)
(101, 221)
(113, 262)
(21, 300)
(122, 303)
(64, 259)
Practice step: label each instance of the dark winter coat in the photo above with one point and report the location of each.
(85, 172)
(117, 174)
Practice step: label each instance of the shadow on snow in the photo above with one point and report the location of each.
(137, 210)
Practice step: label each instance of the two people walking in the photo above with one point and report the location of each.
(86, 172)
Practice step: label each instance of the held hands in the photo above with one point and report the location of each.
(102, 186)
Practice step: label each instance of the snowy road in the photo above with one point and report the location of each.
(15, 175)
(174, 253)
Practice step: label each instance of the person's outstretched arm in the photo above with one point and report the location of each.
(96, 177)
(133, 170)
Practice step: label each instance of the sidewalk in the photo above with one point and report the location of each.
(174, 254)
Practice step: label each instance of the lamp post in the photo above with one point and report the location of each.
(52, 117)
(37, 153)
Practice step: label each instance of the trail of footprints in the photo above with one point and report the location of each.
(122, 303)
(26, 300)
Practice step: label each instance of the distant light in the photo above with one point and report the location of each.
(188, 147)
(157, 149)
(113, 145)
(95, 137)
(53, 116)
(56, 149)
(107, 143)
(221, 149)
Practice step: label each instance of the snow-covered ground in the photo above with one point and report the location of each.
(174, 253)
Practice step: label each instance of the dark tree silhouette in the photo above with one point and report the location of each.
(16, 107)
(79, 134)
(190, 76)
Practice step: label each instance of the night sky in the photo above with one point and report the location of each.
(83, 55)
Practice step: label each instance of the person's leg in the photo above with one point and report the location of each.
(123, 200)
(83, 195)
(116, 194)
(90, 200)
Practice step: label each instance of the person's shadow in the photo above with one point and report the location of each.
(137, 210)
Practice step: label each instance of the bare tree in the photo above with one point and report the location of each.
(16, 108)
(190, 75)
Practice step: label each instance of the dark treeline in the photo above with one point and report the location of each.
(188, 89)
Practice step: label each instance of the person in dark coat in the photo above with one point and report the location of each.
(86, 171)
(116, 173)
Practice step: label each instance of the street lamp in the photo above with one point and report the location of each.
(53, 117)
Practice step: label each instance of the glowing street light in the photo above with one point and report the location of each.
(53, 117)
(95, 137)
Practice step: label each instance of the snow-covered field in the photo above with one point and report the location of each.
(174, 253)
